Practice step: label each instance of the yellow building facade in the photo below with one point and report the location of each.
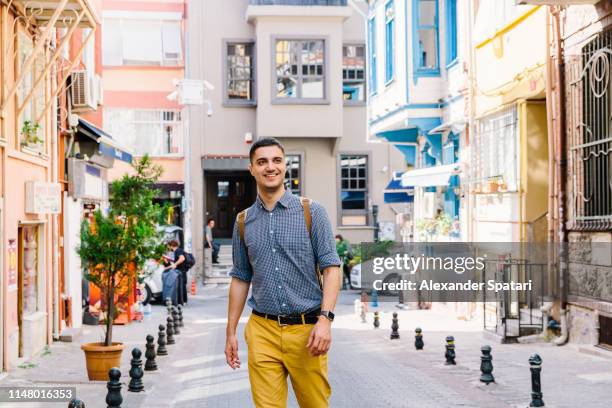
(509, 155)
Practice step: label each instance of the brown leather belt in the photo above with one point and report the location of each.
(285, 320)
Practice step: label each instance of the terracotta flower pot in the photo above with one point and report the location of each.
(100, 358)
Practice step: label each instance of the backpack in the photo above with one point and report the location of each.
(189, 260)
(307, 218)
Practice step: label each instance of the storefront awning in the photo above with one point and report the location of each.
(455, 127)
(106, 145)
(409, 152)
(403, 135)
(395, 192)
(430, 176)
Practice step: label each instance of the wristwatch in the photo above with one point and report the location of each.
(328, 315)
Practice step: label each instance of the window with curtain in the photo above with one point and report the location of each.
(372, 47)
(451, 31)
(389, 40)
(497, 148)
(240, 72)
(299, 69)
(426, 37)
(141, 42)
(146, 131)
(353, 73)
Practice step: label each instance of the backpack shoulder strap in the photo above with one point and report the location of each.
(241, 221)
(308, 219)
(307, 216)
(241, 218)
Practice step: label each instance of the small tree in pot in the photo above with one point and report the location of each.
(114, 248)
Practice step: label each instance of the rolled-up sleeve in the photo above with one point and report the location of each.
(323, 242)
(241, 268)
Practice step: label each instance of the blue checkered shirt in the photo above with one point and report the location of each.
(283, 257)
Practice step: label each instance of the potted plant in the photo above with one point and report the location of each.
(29, 131)
(114, 247)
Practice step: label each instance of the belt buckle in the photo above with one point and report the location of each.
(278, 319)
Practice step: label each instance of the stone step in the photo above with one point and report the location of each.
(217, 279)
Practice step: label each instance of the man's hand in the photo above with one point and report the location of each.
(320, 337)
(231, 351)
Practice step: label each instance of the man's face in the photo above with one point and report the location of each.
(268, 167)
(212, 224)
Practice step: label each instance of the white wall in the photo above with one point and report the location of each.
(73, 210)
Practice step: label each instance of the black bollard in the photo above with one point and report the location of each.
(161, 341)
(180, 316)
(486, 365)
(535, 363)
(394, 327)
(136, 372)
(150, 364)
(113, 397)
(170, 330)
(418, 339)
(169, 306)
(76, 403)
(376, 320)
(175, 319)
(450, 351)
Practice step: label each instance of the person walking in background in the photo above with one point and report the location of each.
(210, 243)
(343, 248)
(295, 278)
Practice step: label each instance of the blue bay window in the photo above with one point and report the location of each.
(451, 32)
(389, 40)
(426, 40)
(372, 52)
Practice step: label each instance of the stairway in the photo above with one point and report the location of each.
(221, 270)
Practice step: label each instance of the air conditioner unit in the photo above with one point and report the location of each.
(556, 2)
(82, 91)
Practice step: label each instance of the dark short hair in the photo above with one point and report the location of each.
(263, 142)
(340, 237)
(209, 220)
(173, 243)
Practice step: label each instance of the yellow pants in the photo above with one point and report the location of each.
(276, 351)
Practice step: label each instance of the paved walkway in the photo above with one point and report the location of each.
(367, 369)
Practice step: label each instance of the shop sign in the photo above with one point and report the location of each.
(43, 197)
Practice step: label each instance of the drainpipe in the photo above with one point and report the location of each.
(552, 191)
(55, 295)
(470, 133)
(561, 167)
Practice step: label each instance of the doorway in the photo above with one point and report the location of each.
(227, 193)
(28, 286)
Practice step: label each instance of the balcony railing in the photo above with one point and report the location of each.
(298, 2)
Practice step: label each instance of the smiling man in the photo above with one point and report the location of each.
(284, 247)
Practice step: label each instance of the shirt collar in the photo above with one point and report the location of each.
(284, 201)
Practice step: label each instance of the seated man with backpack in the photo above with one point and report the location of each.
(183, 261)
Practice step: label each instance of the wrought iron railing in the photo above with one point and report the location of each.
(514, 313)
(299, 2)
(589, 138)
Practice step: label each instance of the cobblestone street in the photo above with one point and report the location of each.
(366, 368)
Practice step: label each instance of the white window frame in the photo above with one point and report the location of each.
(157, 18)
(161, 122)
